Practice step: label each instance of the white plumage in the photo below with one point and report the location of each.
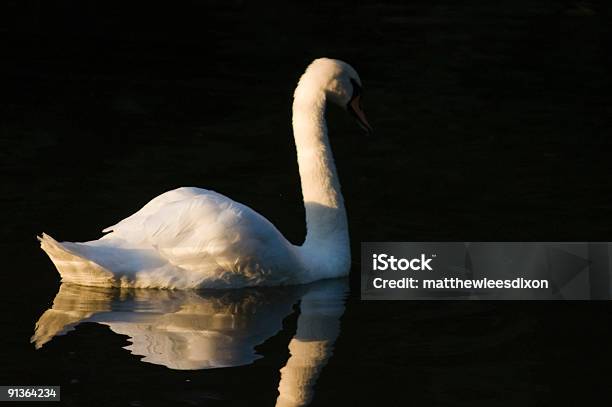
(194, 238)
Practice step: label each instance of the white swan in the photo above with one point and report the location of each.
(194, 238)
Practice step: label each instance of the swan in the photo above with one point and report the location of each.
(196, 238)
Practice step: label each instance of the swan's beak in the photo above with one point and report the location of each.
(354, 107)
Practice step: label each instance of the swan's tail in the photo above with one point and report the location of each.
(73, 266)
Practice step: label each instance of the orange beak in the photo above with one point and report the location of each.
(354, 107)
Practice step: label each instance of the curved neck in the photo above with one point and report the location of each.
(327, 229)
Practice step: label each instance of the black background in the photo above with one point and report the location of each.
(492, 123)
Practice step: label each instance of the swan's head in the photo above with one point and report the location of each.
(341, 85)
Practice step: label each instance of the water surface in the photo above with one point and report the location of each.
(492, 124)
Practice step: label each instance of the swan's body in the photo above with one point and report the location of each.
(194, 238)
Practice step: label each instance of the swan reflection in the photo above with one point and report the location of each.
(210, 329)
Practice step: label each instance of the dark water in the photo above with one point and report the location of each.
(492, 120)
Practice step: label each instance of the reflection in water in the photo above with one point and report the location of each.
(210, 329)
(317, 329)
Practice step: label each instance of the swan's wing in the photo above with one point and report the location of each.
(135, 221)
(203, 231)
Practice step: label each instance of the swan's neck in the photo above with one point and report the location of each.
(326, 248)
